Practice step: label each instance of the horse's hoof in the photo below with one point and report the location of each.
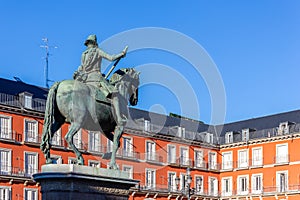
(48, 161)
(113, 166)
(80, 161)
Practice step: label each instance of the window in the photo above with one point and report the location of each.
(150, 178)
(31, 131)
(94, 141)
(283, 128)
(227, 186)
(127, 147)
(28, 101)
(212, 160)
(147, 125)
(282, 153)
(56, 159)
(184, 156)
(199, 184)
(94, 163)
(129, 170)
(213, 186)
(181, 132)
(5, 127)
(30, 194)
(257, 156)
(5, 193)
(199, 161)
(72, 161)
(282, 181)
(242, 182)
(150, 150)
(171, 181)
(110, 146)
(229, 137)
(209, 138)
(31, 163)
(257, 183)
(56, 139)
(5, 158)
(182, 181)
(243, 158)
(227, 160)
(171, 154)
(245, 135)
(77, 139)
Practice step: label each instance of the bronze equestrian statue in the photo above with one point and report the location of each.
(91, 102)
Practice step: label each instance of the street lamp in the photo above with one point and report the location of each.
(187, 191)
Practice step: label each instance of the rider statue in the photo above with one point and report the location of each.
(89, 72)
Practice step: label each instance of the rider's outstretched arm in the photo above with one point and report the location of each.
(110, 57)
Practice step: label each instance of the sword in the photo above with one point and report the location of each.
(115, 64)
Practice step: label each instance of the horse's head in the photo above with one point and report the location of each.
(131, 78)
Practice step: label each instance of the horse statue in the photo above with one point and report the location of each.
(85, 106)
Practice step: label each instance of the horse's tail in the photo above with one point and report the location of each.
(49, 119)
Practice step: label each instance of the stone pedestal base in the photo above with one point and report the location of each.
(66, 182)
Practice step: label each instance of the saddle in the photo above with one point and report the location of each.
(99, 95)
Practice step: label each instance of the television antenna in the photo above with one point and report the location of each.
(47, 47)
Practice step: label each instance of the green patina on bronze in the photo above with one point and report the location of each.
(91, 102)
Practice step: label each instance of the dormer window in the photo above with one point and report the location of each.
(147, 125)
(181, 132)
(283, 128)
(245, 135)
(209, 138)
(229, 137)
(26, 99)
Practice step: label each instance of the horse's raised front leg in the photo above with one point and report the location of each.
(117, 136)
(74, 128)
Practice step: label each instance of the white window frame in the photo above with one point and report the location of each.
(7, 167)
(243, 162)
(171, 158)
(150, 152)
(182, 180)
(29, 170)
(245, 134)
(56, 139)
(280, 158)
(129, 171)
(184, 159)
(209, 138)
(5, 193)
(94, 163)
(224, 192)
(94, 141)
(240, 189)
(181, 131)
(227, 164)
(5, 129)
(257, 160)
(147, 125)
(77, 139)
(199, 158)
(279, 187)
(28, 101)
(257, 188)
(127, 146)
(213, 181)
(283, 128)
(228, 137)
(27, 192)
(212, 164)
(57, 158)
(150, 183)
(72, 160)
(33, 132)
(172, 181)
(196, 178)
(109, 145)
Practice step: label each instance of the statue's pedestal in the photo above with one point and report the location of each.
(63, 182)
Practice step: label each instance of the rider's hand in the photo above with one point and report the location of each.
(124, 51)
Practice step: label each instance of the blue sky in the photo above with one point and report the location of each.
(255, 46)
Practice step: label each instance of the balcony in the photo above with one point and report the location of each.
(282, 160)
(154, 158)
(200, 164)
(14, 172)
(12, 100)
(125, 154)
(10, 136)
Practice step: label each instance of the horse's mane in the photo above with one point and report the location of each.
(119, 74)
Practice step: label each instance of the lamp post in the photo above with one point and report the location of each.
(187, 191)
